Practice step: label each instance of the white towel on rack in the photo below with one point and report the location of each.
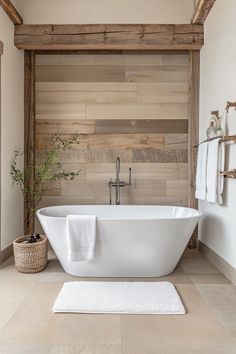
(215, 163)
(81, 236)
(201, 175)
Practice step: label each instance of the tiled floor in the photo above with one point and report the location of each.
(28, 326)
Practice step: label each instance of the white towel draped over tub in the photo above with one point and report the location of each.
(81, 237)
(201, 171)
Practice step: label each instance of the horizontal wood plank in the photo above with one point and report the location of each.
(106, 36)
(135, 126)
(129, 126)
(65, 73)
(65, 126)
(167, 73)
(111, 141)
(85, 86)
(160, 156)
(156, 171)
(138, 111)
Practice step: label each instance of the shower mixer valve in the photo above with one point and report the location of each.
(117, 184)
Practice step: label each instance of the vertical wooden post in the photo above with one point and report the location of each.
(193, 131)
(1, 52)
(29, 133)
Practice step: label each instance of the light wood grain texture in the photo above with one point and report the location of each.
(202, 10)
(52, 188)
(177, 188)
(144, 122)
(61, 110)
(176, 141)
(156, 171)
(138, 111)
(29, 132)
(94, 97)
(169, 73)
(11, 12)
(156, 88)
(125, 126)
(94, 111)
(193, 131)
(126, 198)
(134, 126)
(76, 73)
(94, 155)
(175, 59)
(111, 141)
(86, 86)
(101, 36)
(160, 156)
(65, 126)
(90, 59)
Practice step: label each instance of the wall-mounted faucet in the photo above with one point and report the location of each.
(117, 183)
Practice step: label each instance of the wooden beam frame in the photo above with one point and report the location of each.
(193, 131)
(109, 37)
(11, 11)
(202, 10)
(29, 132)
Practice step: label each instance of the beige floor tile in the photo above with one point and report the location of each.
(197, 263)
(86, 349)
(11, 296)
(217, 278)
(221, 298)
(28, 326)
(9, 274)
(24, 349)
(34, 323)
(197, 330)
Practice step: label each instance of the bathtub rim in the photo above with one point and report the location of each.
(197, 215)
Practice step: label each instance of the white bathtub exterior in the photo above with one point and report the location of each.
(131, 240)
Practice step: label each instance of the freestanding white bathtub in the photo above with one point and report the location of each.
(131, 240)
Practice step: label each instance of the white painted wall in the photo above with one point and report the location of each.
(218, 85)
(105, 11)
(12, 124)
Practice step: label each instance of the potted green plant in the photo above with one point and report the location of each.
(30, 251)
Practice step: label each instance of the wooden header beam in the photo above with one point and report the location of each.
(105, 37)
(11, 11)
(201, 11)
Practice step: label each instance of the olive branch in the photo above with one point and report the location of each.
(43, 172)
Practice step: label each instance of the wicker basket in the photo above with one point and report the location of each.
(30, 257)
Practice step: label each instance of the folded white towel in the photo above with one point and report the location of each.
(81, 236)
(215, 162)
(201, 173)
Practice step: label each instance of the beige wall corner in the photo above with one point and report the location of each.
(12, 125)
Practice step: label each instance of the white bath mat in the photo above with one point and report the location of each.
(119, 297)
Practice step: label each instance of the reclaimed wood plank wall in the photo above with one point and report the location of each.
(132, 105)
